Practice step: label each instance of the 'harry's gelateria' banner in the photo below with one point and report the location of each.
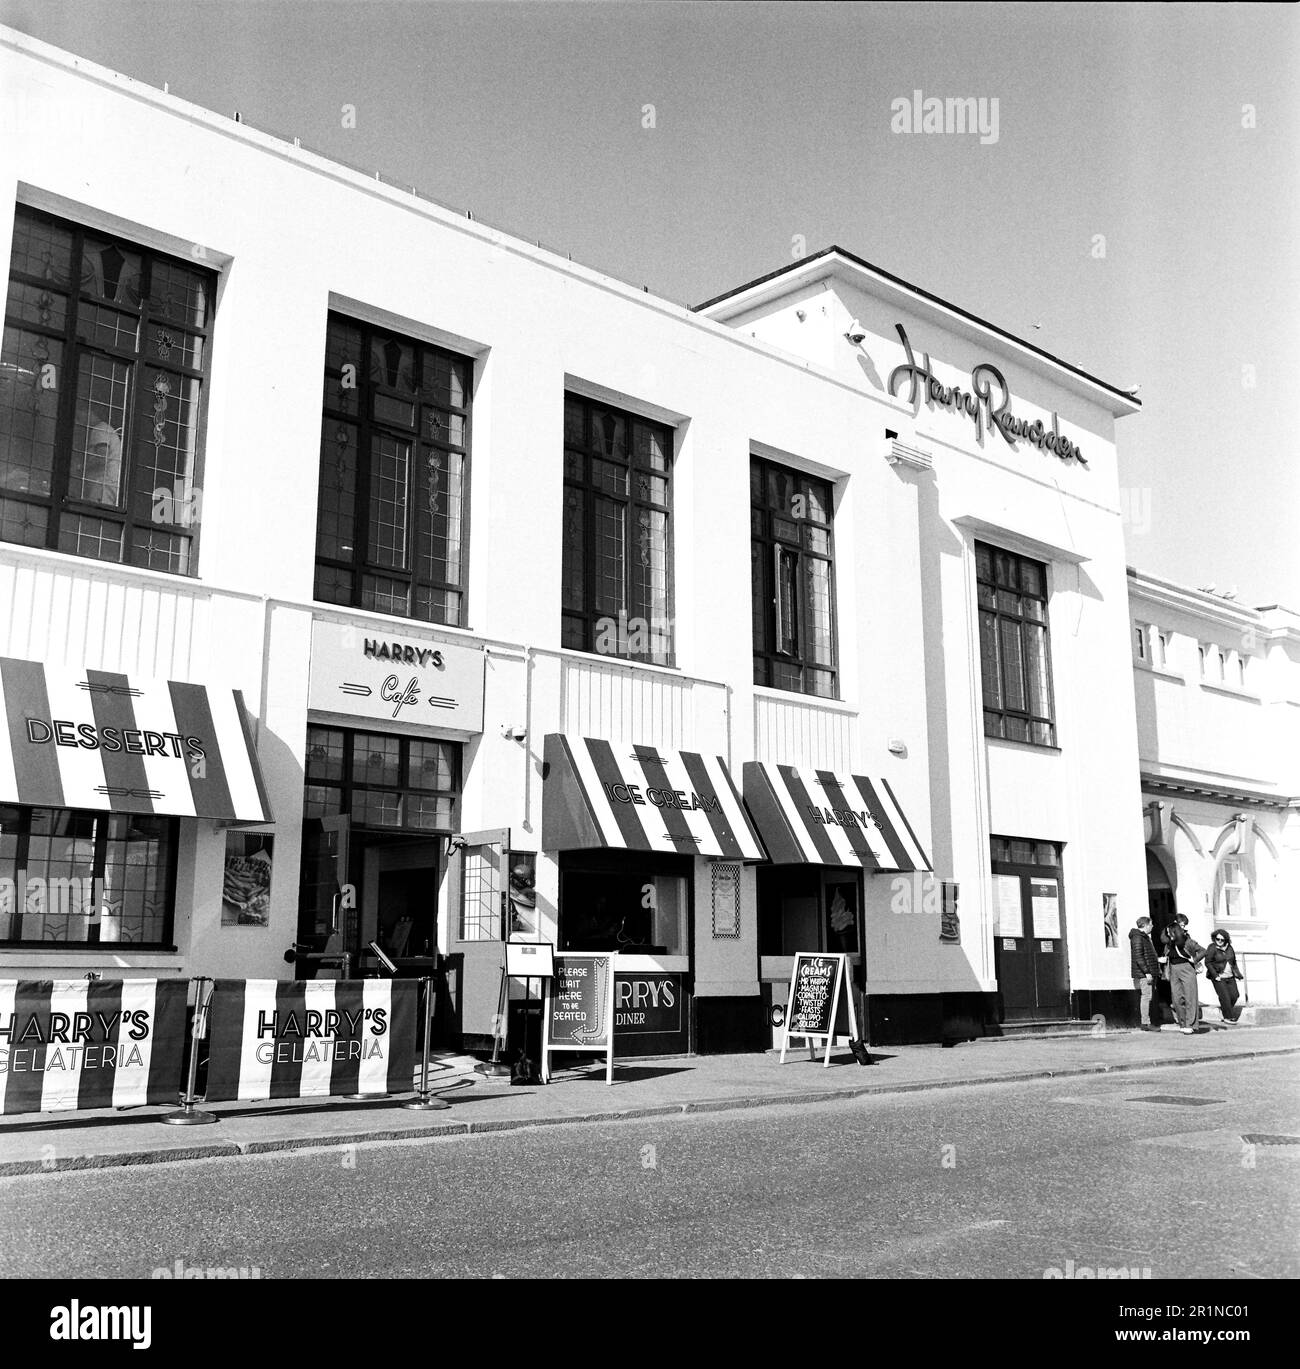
(272, 1039)
(67, 1044)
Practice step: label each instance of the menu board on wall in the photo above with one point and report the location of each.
(1045, 896)
(1010, 919)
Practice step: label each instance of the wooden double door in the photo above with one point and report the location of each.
(1029, 945)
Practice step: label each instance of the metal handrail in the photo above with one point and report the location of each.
(1275, 956)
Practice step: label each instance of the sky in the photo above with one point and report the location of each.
(1137, 214)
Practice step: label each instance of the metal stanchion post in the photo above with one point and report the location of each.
(345, 969)
(496, 1068)
(187, 1116)
(424, 1101)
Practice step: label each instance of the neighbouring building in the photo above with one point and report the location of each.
(368, 575)
(1218, 705)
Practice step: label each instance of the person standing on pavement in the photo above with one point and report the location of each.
(1221, 970)
(1146, 970)
(1184, 955)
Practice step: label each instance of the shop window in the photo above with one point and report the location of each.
(808, 908)
(84, 879)
(392, 521)
(380, 780)
(792, 568)
(638, 905)
(103, 375)
(1014, 649)
(616, 598)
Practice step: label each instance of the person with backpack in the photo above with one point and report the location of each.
(1183, 955)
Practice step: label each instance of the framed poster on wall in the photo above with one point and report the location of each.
(1045, 897)
(1110, 918)
(726, 900)
(246, 880)
(1009, 918)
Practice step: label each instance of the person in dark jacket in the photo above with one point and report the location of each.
(1221, 970)
(1146, 970)
(1184, 955)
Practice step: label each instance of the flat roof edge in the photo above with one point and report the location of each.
(833, 254)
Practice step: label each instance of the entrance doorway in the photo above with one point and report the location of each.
(399, 894)
(811, 908)
(1029, 948)
(360, 886)
(1161, 906)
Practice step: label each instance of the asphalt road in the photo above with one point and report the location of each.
(1004, 1181)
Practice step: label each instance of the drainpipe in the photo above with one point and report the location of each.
(266, 663)
(528, 739)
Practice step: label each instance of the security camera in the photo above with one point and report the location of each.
(856, 333)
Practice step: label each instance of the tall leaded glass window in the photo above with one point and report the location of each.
(1015, 665)
(792, 566)
(616, 589)
(102, 383)
(392, 520)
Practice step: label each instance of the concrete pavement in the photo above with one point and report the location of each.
(50, 1142)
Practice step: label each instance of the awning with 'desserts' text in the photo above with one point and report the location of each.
(820, 818)
(620, 795)
(75, 738)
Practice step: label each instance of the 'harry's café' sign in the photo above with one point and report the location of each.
(407, 679)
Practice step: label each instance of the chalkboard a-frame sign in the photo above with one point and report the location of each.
(814, 997)
(579, 1012)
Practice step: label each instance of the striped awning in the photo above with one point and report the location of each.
(820, 818)
(641, 798)
(94, 739)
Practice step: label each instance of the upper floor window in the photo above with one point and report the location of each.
(791, 557)
(1140, 635)
(1016, 668)
(102, 388)
(1160, 649)
(392, 529)
(617, 504)
(1236, 897)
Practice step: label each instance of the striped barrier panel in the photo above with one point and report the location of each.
(77, 1044)
(268, 1038)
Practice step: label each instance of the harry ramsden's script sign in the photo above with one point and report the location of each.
(814, 995)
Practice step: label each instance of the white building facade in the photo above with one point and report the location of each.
(370, 576)
(1217, 685)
